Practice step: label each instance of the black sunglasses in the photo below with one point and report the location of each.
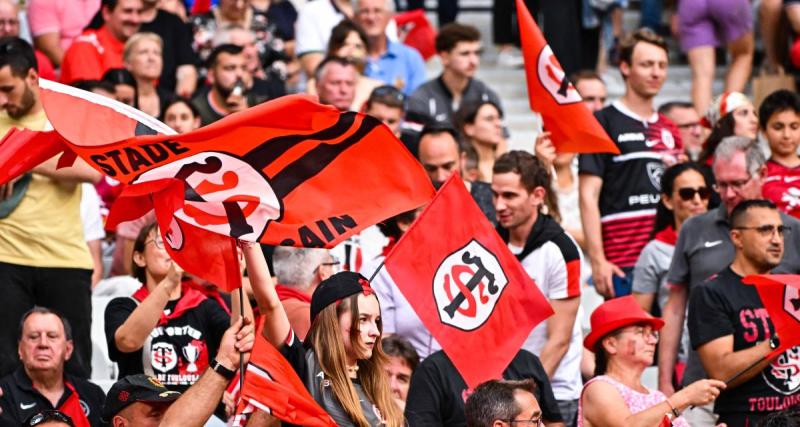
(687, 193)
(47, 416)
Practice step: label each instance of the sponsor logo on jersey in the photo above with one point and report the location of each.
(630, 137)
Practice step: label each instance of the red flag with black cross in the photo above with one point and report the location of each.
(551, 94)
(288, 172)
(780, 294)
(465, 285)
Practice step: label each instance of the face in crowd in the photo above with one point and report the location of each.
(337, 85)
(145, 60)
(487, 129)
(369, 315)
(689, 195)
(399, 374)
(745, 121)
(180, 117)
(735, 183)
(783, 133)
(692, 132)
(759, 237)
(125, 19)
(43, 345)
(515, 205)
(228, 69)
(439, 155)
(463, 60)
(17, 96)
(647, 70)
(373, 16)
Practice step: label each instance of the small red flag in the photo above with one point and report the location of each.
(465, 285)
(271, 385)
(552, 95)
(780, 294)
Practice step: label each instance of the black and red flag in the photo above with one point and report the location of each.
(288, 172)
(465, 285)
(552, 95)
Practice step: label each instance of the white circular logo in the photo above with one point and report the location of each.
(163, 356)
(783, 374)
(467, 286)
(553, 78)
(223, 194)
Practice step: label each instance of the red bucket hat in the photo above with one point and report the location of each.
(614, 314)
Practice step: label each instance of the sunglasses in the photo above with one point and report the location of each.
(687, 193)
(48, 416)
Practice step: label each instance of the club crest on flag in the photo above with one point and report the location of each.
(783, 374)
(248, 201)
(791, 302)
(553, 78)
(467, 285)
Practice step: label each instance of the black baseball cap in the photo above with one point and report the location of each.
(337, 287)
(135, 388)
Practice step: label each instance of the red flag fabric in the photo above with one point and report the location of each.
(271, 385)
(780, 294)
(551, 94)
(288, 172)
(466, 286)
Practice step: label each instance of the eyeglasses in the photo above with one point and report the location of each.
(157, 242)
(536, 421)
(642, 331)
(334, 264)
(768, 230)
(687, 193)
(9, 22)
(721, 187)
(47, 416)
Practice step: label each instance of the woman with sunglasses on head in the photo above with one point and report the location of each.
(481, 126)
(341, 362)
(624, 338)
(167, 328)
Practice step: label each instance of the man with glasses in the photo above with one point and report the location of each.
(685, 117)
(503, 403)
(705, 248)
(299, 271)
(10, 26)
(731, 330)
(388, 61)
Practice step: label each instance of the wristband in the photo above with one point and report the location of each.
(222, 370)
(674, 411)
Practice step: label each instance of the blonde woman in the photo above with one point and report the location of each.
(341, 363)
(142, 58)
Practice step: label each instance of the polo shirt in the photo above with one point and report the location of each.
(67, 18)
(400, 66)
(704, 248)
(432, 102)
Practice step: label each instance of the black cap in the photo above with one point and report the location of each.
(135, 388)
(335, 288)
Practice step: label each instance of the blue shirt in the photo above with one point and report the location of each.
(399, 66)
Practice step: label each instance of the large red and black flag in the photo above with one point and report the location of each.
(288, 172)
(552, 95)
(466, 286)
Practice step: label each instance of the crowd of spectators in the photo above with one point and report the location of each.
(705, 190)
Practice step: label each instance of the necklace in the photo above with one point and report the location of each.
(352, 369)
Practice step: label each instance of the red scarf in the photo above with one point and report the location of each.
(668, 236)
(285, 292)
(72, 407)
(190, 298)
(210, 292)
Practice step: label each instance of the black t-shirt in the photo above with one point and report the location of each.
(176, 353)
(437, 393)
(631, 179)
(209, 114)
(725, 306)
(20, 400)
(177, 49)
(307, 367)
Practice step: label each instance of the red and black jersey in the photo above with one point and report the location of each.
(782, 186)
(631, 179)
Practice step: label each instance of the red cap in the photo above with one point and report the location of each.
(614, 314)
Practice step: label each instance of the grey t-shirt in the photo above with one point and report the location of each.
(704, 248)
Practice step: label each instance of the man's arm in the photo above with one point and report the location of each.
(673, 315)
(602, 270)
(50, 45)
(722, 363)
(559, 332)
(198, 403)
(79, 172)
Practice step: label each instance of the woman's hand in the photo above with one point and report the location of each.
(544, 149)
(174, 276)
(698, 393)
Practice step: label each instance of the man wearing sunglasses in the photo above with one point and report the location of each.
(731, 330)
(705, 248)
(503, 403)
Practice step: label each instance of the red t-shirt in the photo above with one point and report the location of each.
(91, 54)
(782, 187)
(46, 70)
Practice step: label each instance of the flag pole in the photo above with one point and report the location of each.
(377, 270)
(742, 372)
(241, 354)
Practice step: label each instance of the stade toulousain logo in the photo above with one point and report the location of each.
(783, 374)
(249, 202)
(467, 286)
(553, 78)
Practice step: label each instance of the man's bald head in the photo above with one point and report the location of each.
(439, 152)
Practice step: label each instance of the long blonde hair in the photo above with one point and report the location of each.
(326, 335)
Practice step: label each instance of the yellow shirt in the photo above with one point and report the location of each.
(45, 229)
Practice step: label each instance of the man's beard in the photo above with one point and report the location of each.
(25, 104)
